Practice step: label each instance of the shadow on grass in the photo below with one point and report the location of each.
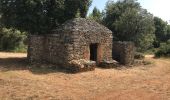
(7, 64)
(46, 69)
(14, 64)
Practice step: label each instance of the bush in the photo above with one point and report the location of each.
(139, 55)
(151, 51)
(12, 40)
(168, 41)
(164, 50)
(156, 44)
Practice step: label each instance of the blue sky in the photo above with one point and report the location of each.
(160, 8)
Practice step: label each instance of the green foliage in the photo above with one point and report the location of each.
(168, 32)
(164, 50)
(162, 32)
(74, 6)
(71, 7)
(52, 15)
(96, 15)
(115, 9)
(151, 51)
(78, 14)
(144, 42)
(23, 14)
(84, 7)
(139, 55)
(129, 22)
(156, 43)
(40, 16)
(12, 40)
(35, 17)
(161, 29)
(168, 41)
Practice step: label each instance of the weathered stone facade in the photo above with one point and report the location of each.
(76, 45)
(123, 52)
(35, 48)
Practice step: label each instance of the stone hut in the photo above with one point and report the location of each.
(78, 40)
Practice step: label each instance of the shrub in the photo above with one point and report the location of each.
(12, 40)
(139, 55)
(151, 51)
(168, 41)
(156, 44)
(164, 50)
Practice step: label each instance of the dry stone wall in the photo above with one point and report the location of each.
(35, 48)
(123, 52)
(55, 50)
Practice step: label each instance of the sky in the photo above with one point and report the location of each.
(159, 8)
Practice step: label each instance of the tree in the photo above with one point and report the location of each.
(71, 8)
(129, 22)
(114, 10)
(96, 15)
(40, 16)
(25, 15)
(74, 6)
(54, 12)
(12, 39)
(84, 7)
(161, 29)
(168, 33)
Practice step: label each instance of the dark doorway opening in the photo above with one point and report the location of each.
(93, 52)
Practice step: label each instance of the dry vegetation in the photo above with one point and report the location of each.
(18, 81)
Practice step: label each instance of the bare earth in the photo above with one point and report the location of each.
(19, 82)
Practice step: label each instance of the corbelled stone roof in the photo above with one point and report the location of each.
(83, 25)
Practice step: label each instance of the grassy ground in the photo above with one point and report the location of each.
(19, 82)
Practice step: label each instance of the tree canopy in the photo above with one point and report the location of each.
(96, 15)
(161, 29)
(129, 22)
(40, 16)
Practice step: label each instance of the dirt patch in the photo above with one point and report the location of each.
(149, 82)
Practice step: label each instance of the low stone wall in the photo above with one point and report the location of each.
(35, 49)
(56, 50)
(47, 48)
(123, 52)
